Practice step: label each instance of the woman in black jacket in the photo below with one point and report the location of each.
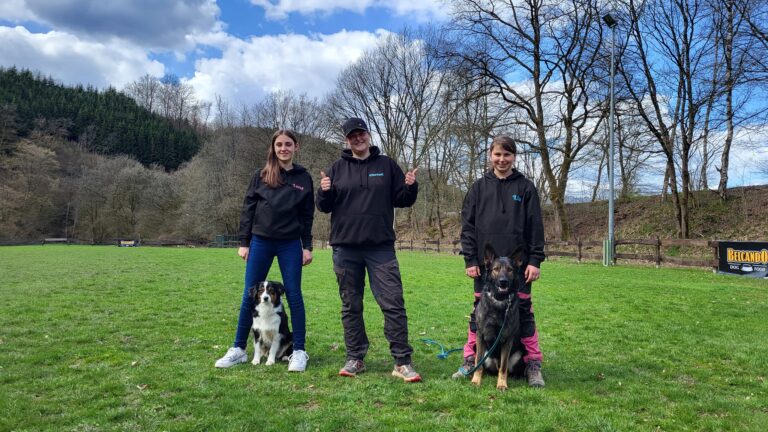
(276, 221)
(502, 210)
(361, 191)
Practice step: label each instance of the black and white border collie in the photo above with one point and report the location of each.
(271, 335)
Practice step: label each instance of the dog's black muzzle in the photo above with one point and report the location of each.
(503, 285)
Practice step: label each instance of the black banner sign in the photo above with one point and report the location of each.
(743, 258)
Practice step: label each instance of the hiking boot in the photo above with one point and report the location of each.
(352, 368)
(407, 373)
(297, 362)
(533, 373)
(233, 356)
(465, 367)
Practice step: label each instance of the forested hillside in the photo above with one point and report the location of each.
(104, 122)
(52, 187)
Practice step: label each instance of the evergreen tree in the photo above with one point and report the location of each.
(114, 123)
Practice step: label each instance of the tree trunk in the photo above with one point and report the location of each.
(675, 195)
(722, 188)
(599, 177)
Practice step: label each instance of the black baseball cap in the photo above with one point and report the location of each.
(352, 124)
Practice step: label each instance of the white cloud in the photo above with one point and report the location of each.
(16, 11)
(71, 60)
(748, 157)
(419, 10)
(281, 8)
(156, 24)
(248, 69)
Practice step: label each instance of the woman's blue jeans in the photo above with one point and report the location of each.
(260, 257)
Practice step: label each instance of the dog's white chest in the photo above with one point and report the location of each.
(268, 321)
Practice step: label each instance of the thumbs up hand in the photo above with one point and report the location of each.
(325, 182)
(410, 177)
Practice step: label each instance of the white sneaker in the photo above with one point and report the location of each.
(233, 356)
(298, 361)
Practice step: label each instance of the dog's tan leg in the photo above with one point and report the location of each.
(477, 378)
(501, 382)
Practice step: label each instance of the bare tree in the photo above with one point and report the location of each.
(635, 148)
(706, 148)
(28, 187)
(371, 88)
(161, 203)
(91, 199)
(663, 69)
(145, 91)
(126, 200)
(286, 110)
(171, 98)
(401, 90)
(743, 71)
(755, 13)
(538, 56)
(476, 115)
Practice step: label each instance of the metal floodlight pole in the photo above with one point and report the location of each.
(611, 22)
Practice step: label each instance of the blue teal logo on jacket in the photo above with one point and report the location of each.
(517, 198)
(381, 174)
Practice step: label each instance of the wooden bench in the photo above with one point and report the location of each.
(55, 240)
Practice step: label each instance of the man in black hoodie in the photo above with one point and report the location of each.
(361, 190)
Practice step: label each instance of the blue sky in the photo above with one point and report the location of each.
(237, 49)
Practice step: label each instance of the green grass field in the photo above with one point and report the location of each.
(107, 338)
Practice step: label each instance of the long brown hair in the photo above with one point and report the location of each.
(271, 172)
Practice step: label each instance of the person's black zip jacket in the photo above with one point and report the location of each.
(362, 199)
(504, 213)
(285, 212)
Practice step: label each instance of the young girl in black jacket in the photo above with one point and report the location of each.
(276, 221)
(502, 209)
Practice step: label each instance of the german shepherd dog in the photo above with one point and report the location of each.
(498, 312)
(271, 335)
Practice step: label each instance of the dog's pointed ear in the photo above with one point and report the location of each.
(489, 255)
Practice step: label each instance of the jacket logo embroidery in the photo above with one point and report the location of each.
(517, 198)
(381, 174)
(299, 187)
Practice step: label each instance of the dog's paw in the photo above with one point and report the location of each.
(256, 361)
(501, 387)
(476, 380)
(269, 362)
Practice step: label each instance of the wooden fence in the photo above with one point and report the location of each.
(439, 246)
(659, 258)
(593, 250)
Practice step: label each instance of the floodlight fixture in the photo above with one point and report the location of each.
(609, 20)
